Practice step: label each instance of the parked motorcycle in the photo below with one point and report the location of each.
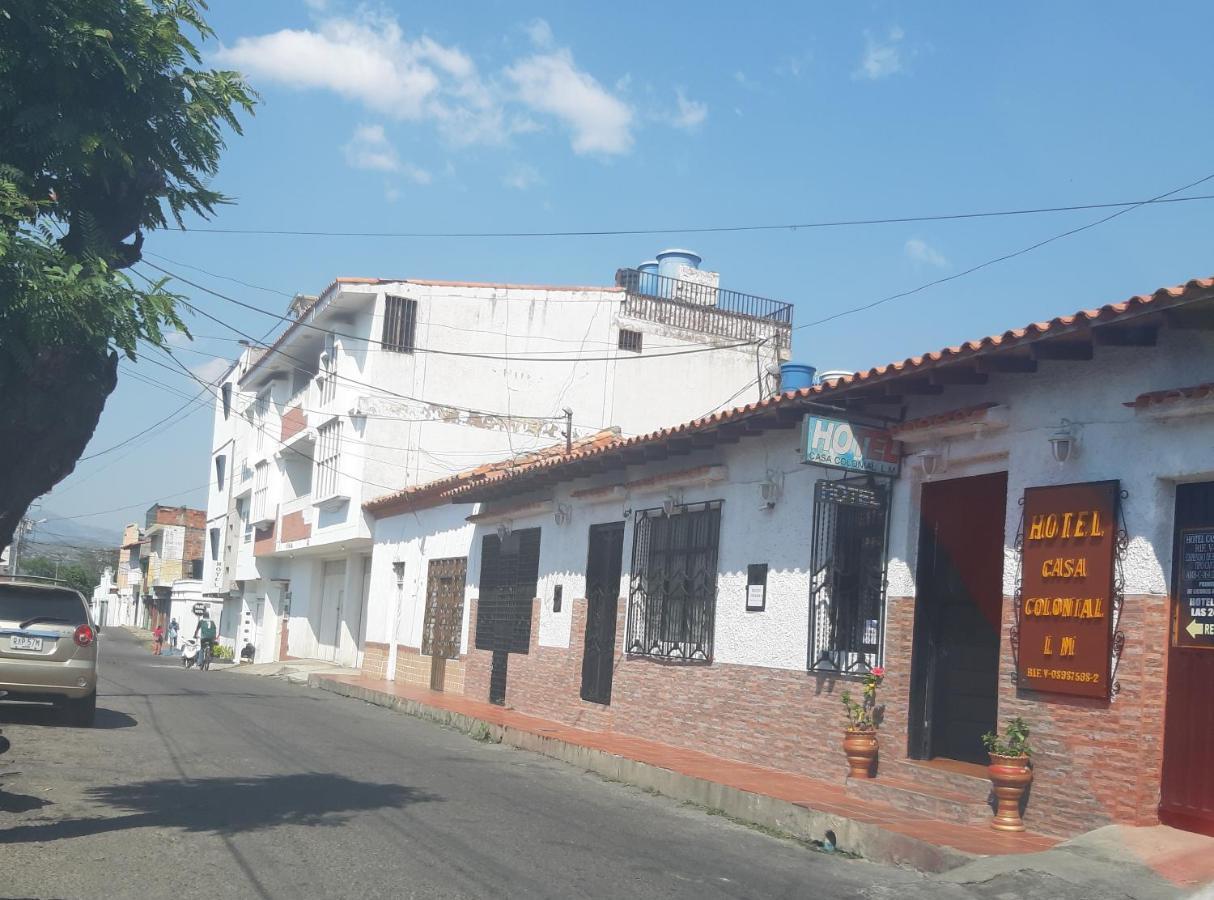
(189, 652)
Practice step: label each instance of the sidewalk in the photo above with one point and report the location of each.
(1148, 863)
(795, 804)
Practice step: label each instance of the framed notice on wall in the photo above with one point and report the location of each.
(1194, 622)
(1065, 616)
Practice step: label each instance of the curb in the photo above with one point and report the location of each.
(797, 820)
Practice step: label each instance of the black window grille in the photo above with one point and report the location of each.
(847, 588)
(509, 576)
(630, 340)
(400, 324)
(673, 595)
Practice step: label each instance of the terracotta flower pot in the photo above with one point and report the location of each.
(860, 745)
(1010, 776)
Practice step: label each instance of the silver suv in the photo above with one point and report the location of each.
(48, 648)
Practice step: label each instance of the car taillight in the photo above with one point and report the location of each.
(83, 636)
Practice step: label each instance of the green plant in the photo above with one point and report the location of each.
(865, 714)
(1014, 742)
(219, 651)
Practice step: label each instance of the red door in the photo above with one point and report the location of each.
(1187, 792)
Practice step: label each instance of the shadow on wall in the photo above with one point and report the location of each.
(226, 806)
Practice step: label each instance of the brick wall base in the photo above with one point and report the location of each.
(1095, 762)
(412, 667)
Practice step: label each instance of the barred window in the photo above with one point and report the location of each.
(630, 340)
(261, 488)
(673, 596)
(261, 409)
(510, 567)
(400, 324)
(328, 456)
(847, 587)
(326, 379)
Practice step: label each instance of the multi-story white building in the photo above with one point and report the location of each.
(379, 384)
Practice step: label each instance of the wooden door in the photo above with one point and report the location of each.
(604, 562)
(958, 617)
(443, 624)
(1187, 791)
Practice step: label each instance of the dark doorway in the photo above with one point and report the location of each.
(958, 617)
(497, 677)
(509, 577)
(603, 564)
(1187, 793)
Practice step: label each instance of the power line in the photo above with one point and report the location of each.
(1005, 257)
(695, 229)
(436, 352)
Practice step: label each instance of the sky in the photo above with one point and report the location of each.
(513, 116)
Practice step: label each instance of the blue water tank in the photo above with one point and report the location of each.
(647, 282)
(670, 260)
(795, 376)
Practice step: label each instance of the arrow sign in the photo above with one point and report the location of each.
(1197, 629)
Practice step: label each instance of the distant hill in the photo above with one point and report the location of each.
(72, 532)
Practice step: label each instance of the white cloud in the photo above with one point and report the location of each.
(923, 252)
(368, 58)
(370, 149)
(881, 58)
(211, 370)
(691, 113)
(551, 83)
(522, 177)
(745, 80)
(540, 33)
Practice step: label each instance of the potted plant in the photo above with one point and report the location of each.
(860, 735)
(1009, 772)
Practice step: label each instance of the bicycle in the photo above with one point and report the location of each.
(204, 657)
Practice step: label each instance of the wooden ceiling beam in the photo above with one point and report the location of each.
(958, 375)
(1005, 364)
(1126, 335)
(1062, 350)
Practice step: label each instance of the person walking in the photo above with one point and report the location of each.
(157, 640)
(174, 633)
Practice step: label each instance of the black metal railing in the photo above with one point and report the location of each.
(705, 307)
(673, 595)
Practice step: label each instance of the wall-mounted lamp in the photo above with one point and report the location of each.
(503, 531)
(933, 461)
(1064, 441)
(563, 513)
(770, 489)
(673, 499)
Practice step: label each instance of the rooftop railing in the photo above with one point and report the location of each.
(704, 307)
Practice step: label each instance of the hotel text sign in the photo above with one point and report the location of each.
(1066, 588)
(858, 448)
(1194, 625)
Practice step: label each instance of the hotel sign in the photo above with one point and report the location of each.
(1066, 588)
(839, 444)
(1194, 625)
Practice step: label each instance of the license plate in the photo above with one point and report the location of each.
(21, 642)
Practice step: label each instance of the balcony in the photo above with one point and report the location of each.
(705, 308)
(294, 420)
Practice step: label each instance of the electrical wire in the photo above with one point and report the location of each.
(436, 352)
(1128, 207)
(695, 229)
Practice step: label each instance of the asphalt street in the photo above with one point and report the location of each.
(217, 785)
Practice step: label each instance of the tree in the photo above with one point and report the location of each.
(110, 129)
(72, 574)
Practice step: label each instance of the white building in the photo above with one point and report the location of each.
(380, 384)
(105, 596)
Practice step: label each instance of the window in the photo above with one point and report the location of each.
(510, 566)
(214, 534)
(328, 455)
(327, 378)
(220, 466)
(261, 489)
(400, 324)
(225, 393)
(261, 407)
(847, 586)
(673, 596)
(242, 512)
(630, 340)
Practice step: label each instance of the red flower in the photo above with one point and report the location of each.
(878, 671)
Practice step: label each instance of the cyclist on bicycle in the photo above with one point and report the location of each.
(205, 631)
